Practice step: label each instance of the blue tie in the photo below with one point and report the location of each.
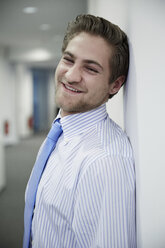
(35, 177)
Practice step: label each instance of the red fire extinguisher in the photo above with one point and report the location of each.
(6, 127)
(30, 122)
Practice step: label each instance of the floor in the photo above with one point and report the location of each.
(19, 160)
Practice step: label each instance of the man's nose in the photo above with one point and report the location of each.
(73, 74)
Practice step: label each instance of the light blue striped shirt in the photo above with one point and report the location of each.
(86, 196)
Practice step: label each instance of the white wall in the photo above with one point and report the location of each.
(7, 110)
(144, 102)
(17, 99)
(146, 32)
(24, 99)
(2, 162)
(15, 105)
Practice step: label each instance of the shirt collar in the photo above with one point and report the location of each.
(78, 123)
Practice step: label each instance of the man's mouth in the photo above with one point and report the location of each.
(71, 89)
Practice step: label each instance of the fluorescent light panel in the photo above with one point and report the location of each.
(37, 55)
(30, 10)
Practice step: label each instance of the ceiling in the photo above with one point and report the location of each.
(36, 38)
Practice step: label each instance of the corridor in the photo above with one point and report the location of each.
(19, 161)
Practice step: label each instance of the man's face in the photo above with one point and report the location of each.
(82, 75)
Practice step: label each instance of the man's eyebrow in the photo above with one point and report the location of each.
(68, 53)
(88, 61)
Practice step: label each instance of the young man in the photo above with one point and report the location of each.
(86, 195)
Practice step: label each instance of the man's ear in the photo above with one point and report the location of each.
(116, 85)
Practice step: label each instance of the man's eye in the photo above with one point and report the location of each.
(67, 59)
(92, 69)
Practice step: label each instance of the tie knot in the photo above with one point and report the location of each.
(55, 131)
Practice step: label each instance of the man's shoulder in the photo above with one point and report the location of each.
(114, 140)
(104, 147)
(106, 139)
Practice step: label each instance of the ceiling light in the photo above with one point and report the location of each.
(38, 55)
(30, 10)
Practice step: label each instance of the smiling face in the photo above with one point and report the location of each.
(82, 75)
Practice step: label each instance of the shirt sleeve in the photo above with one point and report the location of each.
(104, 210)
